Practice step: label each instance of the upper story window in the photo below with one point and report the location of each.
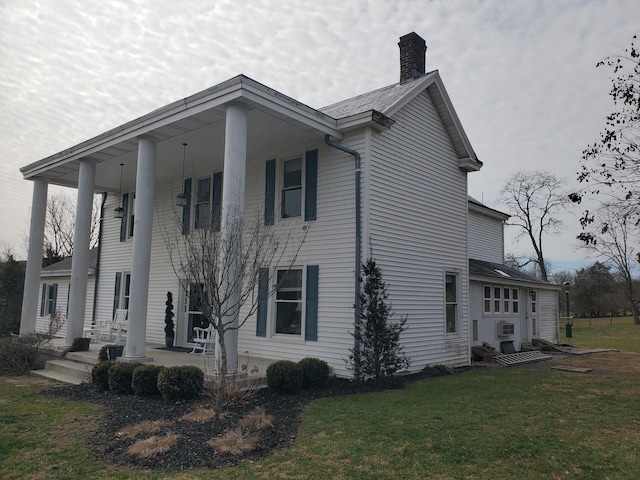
(132, 216)
(291, 201)
(203, 203)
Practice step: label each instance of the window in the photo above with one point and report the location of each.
(132, 215)
(195, 317)
(203, 203)
(291, 188)
(289, 302)
(501, 300)
(48, 299)
(125, 291)
(534, 301)
(451, 302)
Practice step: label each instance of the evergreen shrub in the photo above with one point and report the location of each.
(180, 383)
(284, 376)
(145, 380)
(315, 372)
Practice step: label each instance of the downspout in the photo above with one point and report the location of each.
(356, 155)
(99, 247)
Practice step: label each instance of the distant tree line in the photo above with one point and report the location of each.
(11, 287)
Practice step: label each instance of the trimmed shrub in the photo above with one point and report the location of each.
(120, 376)
(180, 383)
(100, 375)
(145, 380)
(315, 372)
(284, 376)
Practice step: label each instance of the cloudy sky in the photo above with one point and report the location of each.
(521, 74)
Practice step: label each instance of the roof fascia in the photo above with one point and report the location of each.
(487, 211)
(235, 89)
(370, 118)
(513, 281)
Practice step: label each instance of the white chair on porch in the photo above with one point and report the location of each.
(111, 330)
(204, 339)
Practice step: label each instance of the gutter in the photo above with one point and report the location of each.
(358, 239)
(97, 271)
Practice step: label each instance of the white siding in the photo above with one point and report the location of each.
(42, 322)
(329, 244)
(418, 230)
(548, 317)
(486, 239)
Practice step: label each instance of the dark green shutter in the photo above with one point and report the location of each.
(216, 204)
(263, 302)
(186, 210)
(123, 221)
(116, 294)
(270, 193)
(311, 308)
(310, 185)
(54, 297)
(44, 299)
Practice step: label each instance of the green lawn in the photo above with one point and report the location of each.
(521, 422)
(617, 332)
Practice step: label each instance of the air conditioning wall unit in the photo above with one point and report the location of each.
(505, 329)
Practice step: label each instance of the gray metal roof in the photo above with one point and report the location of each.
(65, 265)
(503, 272)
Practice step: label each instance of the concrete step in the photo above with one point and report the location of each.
(70, 367)
(57, 376)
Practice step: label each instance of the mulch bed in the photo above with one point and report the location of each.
(191, 450)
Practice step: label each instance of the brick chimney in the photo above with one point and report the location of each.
(413, 51)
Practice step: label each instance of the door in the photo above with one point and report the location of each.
(529, 326)
(193, 316)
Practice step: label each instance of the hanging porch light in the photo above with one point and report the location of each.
(118, 212)
(181, 198)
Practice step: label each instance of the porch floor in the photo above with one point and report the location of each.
(157, 354)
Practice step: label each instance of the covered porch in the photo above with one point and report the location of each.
(223, 126)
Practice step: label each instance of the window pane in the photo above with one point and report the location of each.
(289, 302)
(204, 190)
(487, 306)
(290, 279)
(292, 173)
(451, 295)
(451, 318)
(291, 203)
(506, 306)
(289, 318)
(515, 294)
(496, 306)
(516, 308)
(496, 292)
(203, 203)
(506, 293)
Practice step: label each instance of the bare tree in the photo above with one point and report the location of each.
(59, 228)
(225, 270)
(535, 199)
(610, 233)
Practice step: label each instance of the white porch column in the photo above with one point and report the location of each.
(141, 254)
(34, 257)
(235, 165)
(80, 260)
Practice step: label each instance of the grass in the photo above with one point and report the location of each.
(503, 423)
(616, 332)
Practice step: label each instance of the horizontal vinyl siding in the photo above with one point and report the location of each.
(486, 240)
(418, 230)
(548, 315)
(42, 323)
(329, 244)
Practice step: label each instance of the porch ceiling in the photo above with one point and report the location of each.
(275, 123)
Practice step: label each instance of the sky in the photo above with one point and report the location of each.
(521, 75)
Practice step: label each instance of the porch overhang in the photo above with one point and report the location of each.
(205, 110)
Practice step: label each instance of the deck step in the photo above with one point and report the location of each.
(57, 376)
(521, 357)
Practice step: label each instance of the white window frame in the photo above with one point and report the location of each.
(48, 306)
(455, 303)
(124, 298)
(280, 186)
(273, 311)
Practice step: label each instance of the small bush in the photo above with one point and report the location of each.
(284, 376)
(103, 355)
(145, 380)
(79, 344)
(120, 376)
(315, 372)
(180, 383)
(100, 375)
(19, 355)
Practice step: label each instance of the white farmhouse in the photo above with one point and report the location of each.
(384, 172)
